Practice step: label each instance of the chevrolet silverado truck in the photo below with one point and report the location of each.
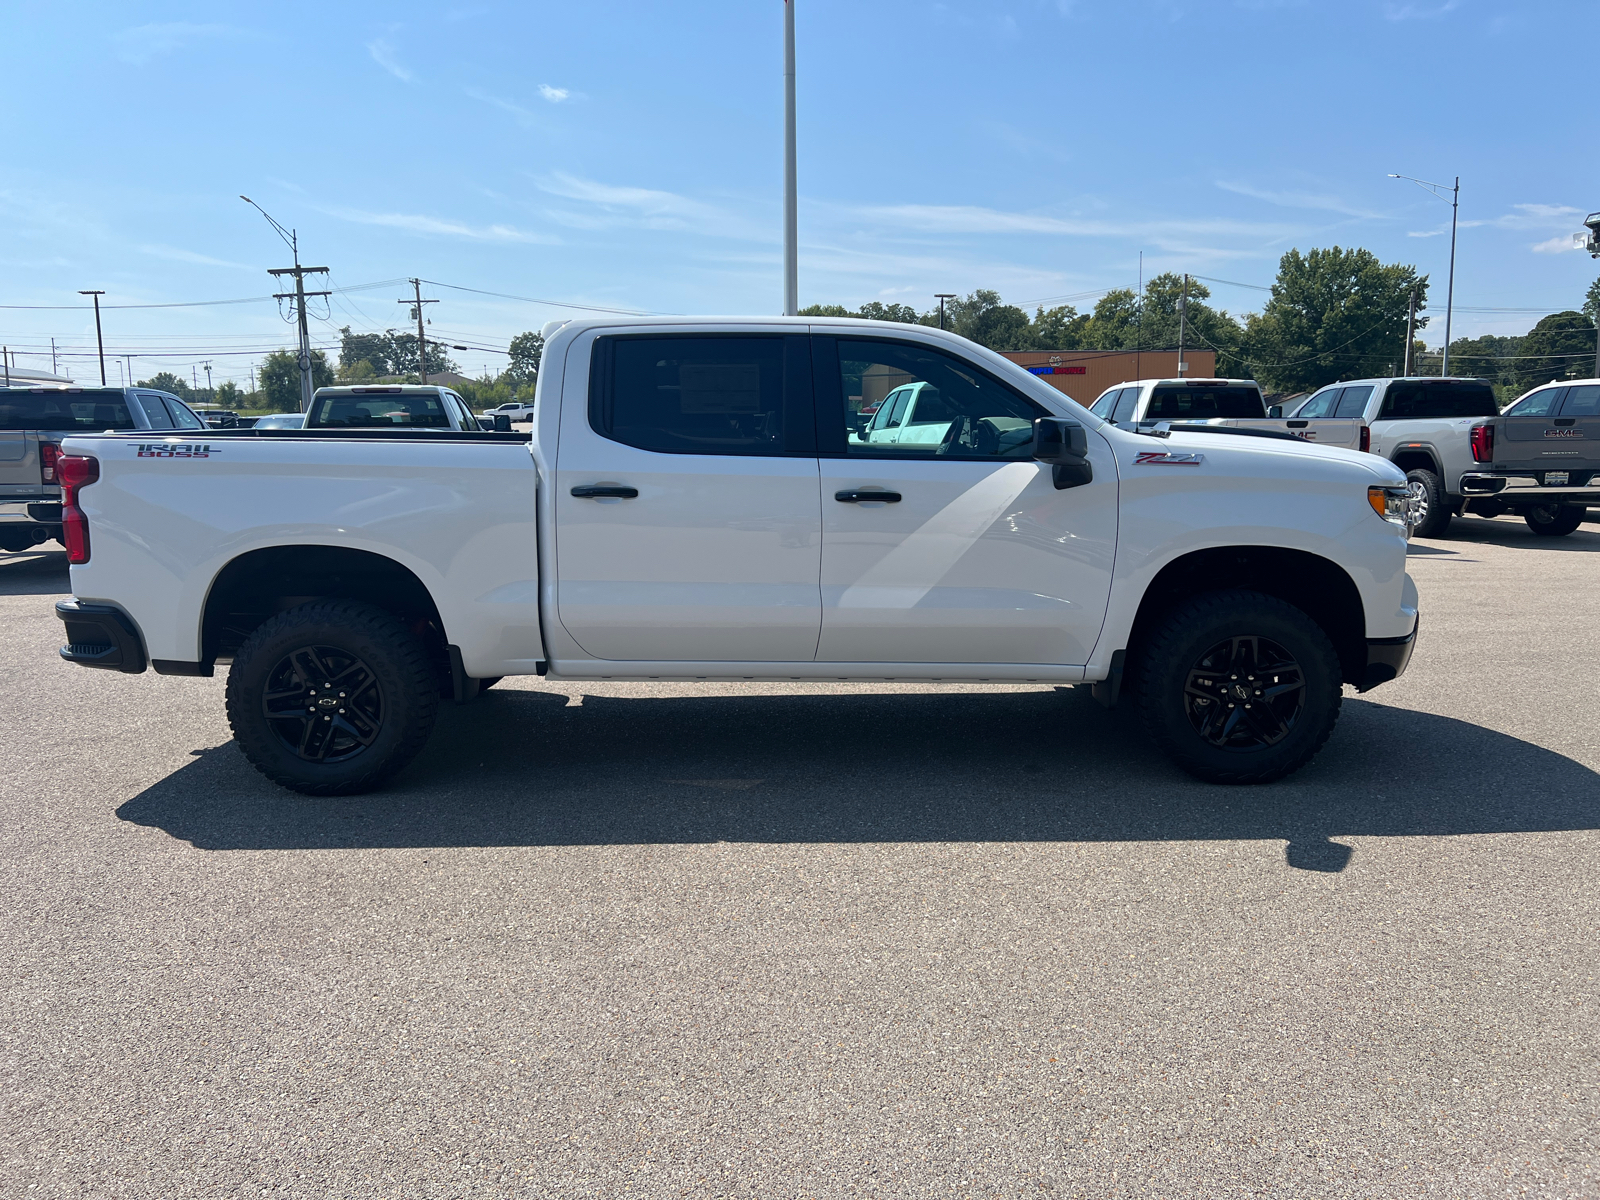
(1539, 460)
(1420, 424)
(1220, 403)
(691, 505)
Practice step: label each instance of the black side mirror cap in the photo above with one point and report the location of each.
(1275, 411)
(1065, 445)
(502, 423)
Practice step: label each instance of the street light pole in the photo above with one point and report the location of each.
(791, 198)
(942, 297)
(1438, 190)
(99, 340)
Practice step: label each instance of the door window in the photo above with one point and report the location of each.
(1537, 404)
(182, 418)
(1320, 405)
(1353, 403)
(1127, 401)
(154, 411)
(1582, 401)
(1102, 407)
(949, 408)
(703, 394)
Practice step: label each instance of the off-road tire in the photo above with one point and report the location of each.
(1553, 520)
(1428, 491)
(1170, 680)
(339, 631)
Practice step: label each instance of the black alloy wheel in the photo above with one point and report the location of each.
(1245, 692)
(324, 703)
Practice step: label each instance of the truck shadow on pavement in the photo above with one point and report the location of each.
(1510, 532)
(528, 768)
(34, 573)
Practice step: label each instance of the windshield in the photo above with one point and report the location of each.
(1447, 398)
(363, 410)
(1203, 403)
(62, 411)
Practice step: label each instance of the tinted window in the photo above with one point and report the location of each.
(1354, 401)
(1448, 398)
(155, 412)
(61, 411)
(182, 418)
(1103, 406)
(691, 395)
(1537, 404)
(1320, 405)
(367, 410)
(1582, 401)
(896, 403)
(955, 410)
(1203, 403)
(1122, 411)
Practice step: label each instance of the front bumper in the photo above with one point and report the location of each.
(1387, 658)
(101, 635)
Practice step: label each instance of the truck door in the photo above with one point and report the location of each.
(1554, 430)
(973, 555)
(688, 523)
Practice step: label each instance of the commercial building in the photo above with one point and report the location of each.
(1084, 374)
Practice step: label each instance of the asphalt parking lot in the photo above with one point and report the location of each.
(793, 941)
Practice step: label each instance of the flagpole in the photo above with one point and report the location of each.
(791, 248)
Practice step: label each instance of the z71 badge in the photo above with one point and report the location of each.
(176, 450)
(1158, 458)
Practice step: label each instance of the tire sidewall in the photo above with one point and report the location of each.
(1565, 520)
(1438, 518)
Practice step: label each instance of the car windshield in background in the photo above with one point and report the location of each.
(367, 411)
(1203, 403)
(1445, 399)
(62, 411)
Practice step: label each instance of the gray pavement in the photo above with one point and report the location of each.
(797, 941)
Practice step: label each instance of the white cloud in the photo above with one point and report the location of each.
(554, 94)
(1560, 244)
(523, 115)
(174, 254)
(1418, 12)
(441, 227)
(383, 54)
(1425, 233)
(144, 42)
(1291, 199)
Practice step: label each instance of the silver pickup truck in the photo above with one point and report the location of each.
(1539, 460)
(32, 423)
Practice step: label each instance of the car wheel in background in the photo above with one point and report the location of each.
(331, 698)
(1429, 503)
(1554, 520)
(1239, 687)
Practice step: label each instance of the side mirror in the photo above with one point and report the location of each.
(1065, 445)
(1275, 410)
(502, 423)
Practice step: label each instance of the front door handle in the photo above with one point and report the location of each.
(596, 493)
(856, 496)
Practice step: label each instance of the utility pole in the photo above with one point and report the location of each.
(791, 201)
(212, 395)
(942, 297)
(128, 358)
(54, 370)
(99, 340)
(1411, 330)
(291, 238)
(252, 380)
(1437, 190)
(5, 356)
(1183, 312)
(422, 340)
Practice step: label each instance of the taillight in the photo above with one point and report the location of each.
(1482, 439)
(1366, 439)
(48, 453)
(75, 471)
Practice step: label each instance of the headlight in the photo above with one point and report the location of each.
(1393, 504)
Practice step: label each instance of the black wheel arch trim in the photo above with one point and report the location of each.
(101, 635)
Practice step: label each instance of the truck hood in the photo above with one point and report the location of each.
(1246, 455)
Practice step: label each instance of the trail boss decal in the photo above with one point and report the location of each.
(177, 450)
(1159, 458)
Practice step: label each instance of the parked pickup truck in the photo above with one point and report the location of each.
(1230, 403)
(34, 420)
(395, 406)
(1539, 460)
(1420, 424)
(691, 506)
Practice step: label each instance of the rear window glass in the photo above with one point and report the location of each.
(692, 395)
(1582, 401)
(92, 411)
(1447, 399)
(1354, 401)
(365, 410)
(1202, 403)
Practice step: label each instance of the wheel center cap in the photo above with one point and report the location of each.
(329, 702)
(1241, 691)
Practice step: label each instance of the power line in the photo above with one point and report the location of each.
(626, 312)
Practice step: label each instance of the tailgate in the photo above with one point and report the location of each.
(1331, 431)
(19, 464)
(1547, 443)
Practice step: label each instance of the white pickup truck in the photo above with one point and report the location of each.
(1228, 403)
(691, 505)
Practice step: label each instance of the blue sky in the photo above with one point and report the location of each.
(628, 154)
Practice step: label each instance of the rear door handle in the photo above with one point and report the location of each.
(855, 496)
(596, 493)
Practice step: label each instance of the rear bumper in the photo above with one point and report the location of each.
(1387, 658)
(1528, 487)
(29, 521)
(101, 635)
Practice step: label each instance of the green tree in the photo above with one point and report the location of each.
(527, 352)
(1560, 346)
(983, 318)
(166, 381)
(228, 394)
(1334, 314)
(279, 377)
(364, 355)
(403, 356)
(1060, 328)
(872, 310)
(1591, 302)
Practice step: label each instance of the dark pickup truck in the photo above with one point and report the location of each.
(1540, 459)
